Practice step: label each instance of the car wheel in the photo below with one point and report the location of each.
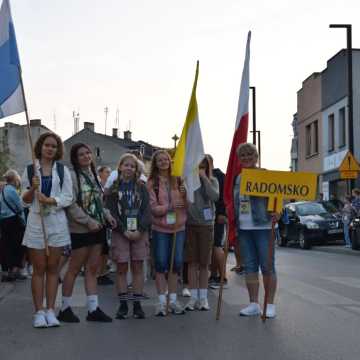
(355, 239)
(304, 242)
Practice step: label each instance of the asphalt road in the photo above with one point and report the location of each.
(318, 318)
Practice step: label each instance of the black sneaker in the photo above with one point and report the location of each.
(98, 315)
(138, 312)
(68, 316)
(104, 280)
(122, 312)
(212, 280)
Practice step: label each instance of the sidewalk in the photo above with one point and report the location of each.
(337, 249)
(5, 289)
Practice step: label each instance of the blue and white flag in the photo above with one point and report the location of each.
(11, 98)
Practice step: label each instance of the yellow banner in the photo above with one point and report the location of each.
(278, 185)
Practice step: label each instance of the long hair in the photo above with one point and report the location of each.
(154, 172)
(76, 166)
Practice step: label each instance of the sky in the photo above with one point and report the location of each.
(140, 56)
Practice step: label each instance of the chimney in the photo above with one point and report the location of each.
(127, 135)
(115, 132)
(35, 122)
(89, 125)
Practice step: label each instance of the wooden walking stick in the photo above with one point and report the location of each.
(41, 210)
(223, 271)
(267, 277)
(171, 270)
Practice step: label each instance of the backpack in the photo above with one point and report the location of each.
(59, 169)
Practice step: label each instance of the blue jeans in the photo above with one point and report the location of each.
(254, 247)
(346, 234)
(162, 250)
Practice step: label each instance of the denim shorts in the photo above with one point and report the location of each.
(254, 246)
(162, 245)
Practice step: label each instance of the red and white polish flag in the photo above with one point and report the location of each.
(240, 136)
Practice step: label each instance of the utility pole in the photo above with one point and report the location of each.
(106, 110)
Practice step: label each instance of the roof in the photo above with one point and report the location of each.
(130, 144)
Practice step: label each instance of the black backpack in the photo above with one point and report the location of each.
(59, 169)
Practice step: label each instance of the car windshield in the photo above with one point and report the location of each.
(310, 209)
(330, 207)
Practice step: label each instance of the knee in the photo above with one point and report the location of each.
(137, 267)
(39, 269)
(122, 269)
(91, 269)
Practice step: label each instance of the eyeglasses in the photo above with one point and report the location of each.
(246, 154)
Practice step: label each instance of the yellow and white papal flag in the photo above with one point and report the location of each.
(190, 150)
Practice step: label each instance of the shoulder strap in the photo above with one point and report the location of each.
(30, 173)
(60, 170)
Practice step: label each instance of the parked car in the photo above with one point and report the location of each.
(309, 221)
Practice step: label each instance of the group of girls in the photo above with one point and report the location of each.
(73, 208)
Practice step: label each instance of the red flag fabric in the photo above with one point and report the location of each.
(240, 136)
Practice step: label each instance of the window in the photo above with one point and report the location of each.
(308, 140)
(312, 139)
(331, 132)
(316, 136)
(97, 152)
(342, 128)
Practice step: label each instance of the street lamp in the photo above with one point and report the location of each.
(253, 88)
(350, 80)
(258, 133)
(175, 138)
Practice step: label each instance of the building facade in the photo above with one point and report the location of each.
(323, 123)
(14, 143)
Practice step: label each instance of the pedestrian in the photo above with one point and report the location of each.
(347, 214)
(167, 200)
(253, 232)
(12, 225)
(128, 201)
(49, 185)
(218, 256)
(87, 223)
(356, 200)
(200, 236)
(103, 277)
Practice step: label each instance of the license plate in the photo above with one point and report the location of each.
(335, 231)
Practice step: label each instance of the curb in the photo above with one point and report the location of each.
(6, 289)
(336, 250)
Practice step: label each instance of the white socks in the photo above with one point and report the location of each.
(66, 301)
(172, 298)
(194, 293)
(92, 303)
(162, 299)
(203, 293)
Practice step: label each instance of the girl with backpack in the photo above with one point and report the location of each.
(87, 223)
(167, 202)
(49, 185)
(128, 201)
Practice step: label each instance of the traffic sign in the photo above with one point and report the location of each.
(349, 164)
(348, 174)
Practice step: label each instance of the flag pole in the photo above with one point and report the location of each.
(33, 162)
(223, 271)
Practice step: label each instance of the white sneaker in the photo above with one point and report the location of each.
(176, 308)
(160, 310)
(39, 320)
(186, 292)
(203, 305)
(251, 310)
(191, 305)
(51, 319)
(270, 311)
